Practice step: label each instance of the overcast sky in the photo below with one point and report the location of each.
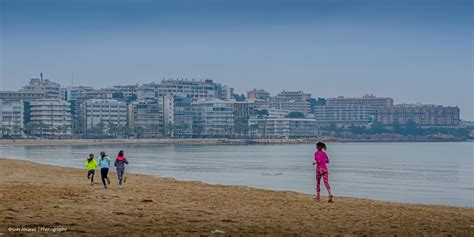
(413, 50)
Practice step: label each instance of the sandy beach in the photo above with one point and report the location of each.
(40, 199)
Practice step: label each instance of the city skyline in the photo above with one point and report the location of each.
(413, 51)
(245, 93)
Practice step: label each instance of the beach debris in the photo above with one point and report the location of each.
(118, 213)
(228, 220)
(216, 231)
(147, 200)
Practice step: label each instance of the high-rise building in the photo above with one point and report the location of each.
(423, 115)
(366, 100)
(52, 89)
(293, 101)
(183, 116)
(258, 94)
(147, 91)
(104, 112)
(213, 117)
(11, 118)
(167, 105)
(52, 117)
(193, 88)
(127, 90)
(147, 115)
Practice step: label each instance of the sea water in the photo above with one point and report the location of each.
(428, 173)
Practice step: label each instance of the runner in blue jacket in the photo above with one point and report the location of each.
(104, 164)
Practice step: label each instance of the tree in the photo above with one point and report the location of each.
(198, 130)
(169, 127)
(239, 97)
(241, 127)
(118, 95)
(294, 115)
(253, 129)
(412, 129)
(261, 113)
(357, 129)
(377, 128)
(397, 128)
(131, 98)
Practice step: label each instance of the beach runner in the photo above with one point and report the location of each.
(91, 165)
(321, 160)
(120, 163)
(104, 164)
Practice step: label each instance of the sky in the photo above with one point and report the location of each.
(415, 51)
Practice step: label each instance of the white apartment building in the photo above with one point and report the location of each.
(366, 100)
(148, 115)
(345, 115)
(104, 111)
(213, 117)
(293, 101)
(283, 127)
(176, 87)
(52, 89)
(53, 114)
(22, 95)
(11, 117)
(167, 103)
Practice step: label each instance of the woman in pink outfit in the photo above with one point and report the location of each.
(321, 160)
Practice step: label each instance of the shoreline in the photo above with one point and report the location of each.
(45, 195)
(196, 141)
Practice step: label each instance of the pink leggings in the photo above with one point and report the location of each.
(324, 173)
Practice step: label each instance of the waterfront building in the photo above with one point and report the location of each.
(366, 100)
(104, 112)
(243, 111)
(183, 116)
(11, 118)
(213, 118)
(258, 94)
(147, 115)
(22, 95)
(147, 91)
(283, 127)
(423, 115)
(128, 91)
(344, 115)
(167, 105)
(176, 87)
(293, 101)
(50, 88)
(52, 116)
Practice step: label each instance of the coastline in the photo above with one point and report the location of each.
(37, 195)
(199, 141)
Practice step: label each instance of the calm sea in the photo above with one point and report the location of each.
(431, 173)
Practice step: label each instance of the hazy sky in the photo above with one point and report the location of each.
(411, 50)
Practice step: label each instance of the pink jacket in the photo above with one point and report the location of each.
(321, 158)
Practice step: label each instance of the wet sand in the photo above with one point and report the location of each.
(39, 196)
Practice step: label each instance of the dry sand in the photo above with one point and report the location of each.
(34, 195)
